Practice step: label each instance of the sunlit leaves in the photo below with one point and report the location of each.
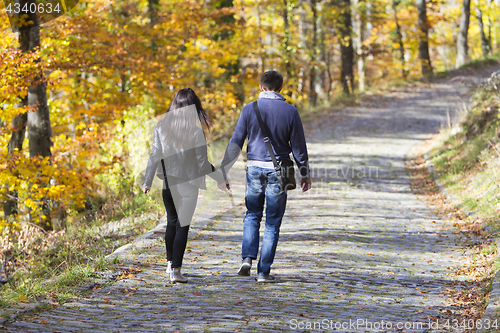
(109, 69)
(35, 179)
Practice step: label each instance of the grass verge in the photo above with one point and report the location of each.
(466, 158)
(51, 267)
(470, 296)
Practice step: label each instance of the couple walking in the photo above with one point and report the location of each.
(179, 157)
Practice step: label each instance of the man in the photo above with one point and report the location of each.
(286, 134)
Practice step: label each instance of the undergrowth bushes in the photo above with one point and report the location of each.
(467, 156)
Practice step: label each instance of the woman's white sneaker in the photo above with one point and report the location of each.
(169, 267)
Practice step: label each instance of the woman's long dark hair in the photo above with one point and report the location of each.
(186, 97)
(180, 122)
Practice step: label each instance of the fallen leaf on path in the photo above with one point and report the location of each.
(134, 269)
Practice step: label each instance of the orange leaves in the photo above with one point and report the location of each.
(129, 273)
(106, 78)
(17, 72)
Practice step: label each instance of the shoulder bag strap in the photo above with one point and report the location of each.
(266, 137)
(164, 170)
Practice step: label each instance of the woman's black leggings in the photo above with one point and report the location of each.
(180, 202)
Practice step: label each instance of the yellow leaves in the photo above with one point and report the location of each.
(30, 203)
(36, 180)
(80, 126)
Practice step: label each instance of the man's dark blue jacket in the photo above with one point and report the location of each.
(283, 125)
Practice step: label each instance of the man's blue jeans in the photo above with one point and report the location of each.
(262, 185)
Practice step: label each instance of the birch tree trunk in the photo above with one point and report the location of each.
(463, 31)
(301, 77)
(359, 23)
(399, 40)
(484, 41)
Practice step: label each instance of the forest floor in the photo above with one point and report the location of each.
(360, 252)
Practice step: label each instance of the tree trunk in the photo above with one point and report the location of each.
(359, 22)
(346, 48)
(489, 33)
(286, 41)
(39, 129)
(484, 41)
(322, 75)
(19, 123)
(10, 207)
(399, 40)
(322, 57)
(261, 41)
(18, 132)
(38, 121)
(462, 46)
(153, 19)
(153, 11)
(313, 96)
(489, 25)
(423, 46)
(301, 77)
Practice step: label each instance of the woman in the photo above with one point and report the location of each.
(179, 156)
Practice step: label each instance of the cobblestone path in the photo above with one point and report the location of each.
(358, 253)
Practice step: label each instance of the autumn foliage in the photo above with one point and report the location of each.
(111, 66)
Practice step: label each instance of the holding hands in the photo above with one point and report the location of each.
(225, 186)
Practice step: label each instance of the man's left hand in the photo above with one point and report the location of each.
(306, 184)
(225, 187)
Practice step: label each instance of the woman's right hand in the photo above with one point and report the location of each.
(145, 189)
(226, 187)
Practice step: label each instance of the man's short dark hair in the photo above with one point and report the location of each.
(271, 80)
